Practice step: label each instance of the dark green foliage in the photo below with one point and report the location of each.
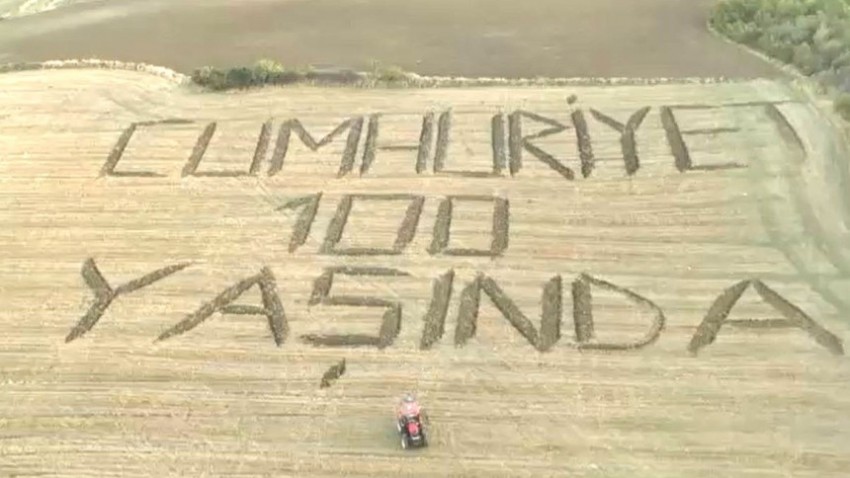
(264, 72)
(388, 74)
(842, 105)
(268, 72)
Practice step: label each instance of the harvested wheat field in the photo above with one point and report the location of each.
(585, 280)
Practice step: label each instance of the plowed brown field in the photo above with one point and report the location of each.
(504, 38)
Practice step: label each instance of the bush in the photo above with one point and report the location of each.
(842, 105)
(269, 72)
(264, 72)
(211, 78)
(812, 35)
(240, 77)
(388, 74)
(805, 60)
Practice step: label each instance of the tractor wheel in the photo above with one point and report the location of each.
(404, 442)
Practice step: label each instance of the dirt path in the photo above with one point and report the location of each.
(541, 270)
(506, 38)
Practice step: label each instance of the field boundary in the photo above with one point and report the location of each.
(792, 72)
(411, 80)
(96, 64)
(816, 96)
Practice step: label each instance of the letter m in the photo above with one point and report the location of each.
(353, 125)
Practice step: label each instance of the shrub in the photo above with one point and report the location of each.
(269, 72)
(842, 105)
(240, 77)
(841, 79)
(209, 77)
(388, 74)
(805, 60)
(264, 72)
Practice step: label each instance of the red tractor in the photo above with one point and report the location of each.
(409, 423)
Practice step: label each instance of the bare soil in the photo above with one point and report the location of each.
(500, 38)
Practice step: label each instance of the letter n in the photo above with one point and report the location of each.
(550, 324)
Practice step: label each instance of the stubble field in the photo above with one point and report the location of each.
(545, 266)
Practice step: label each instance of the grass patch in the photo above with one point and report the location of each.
(264, 72)
(388, 74)
(811, 35)
(269, 72)
(842, 106)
